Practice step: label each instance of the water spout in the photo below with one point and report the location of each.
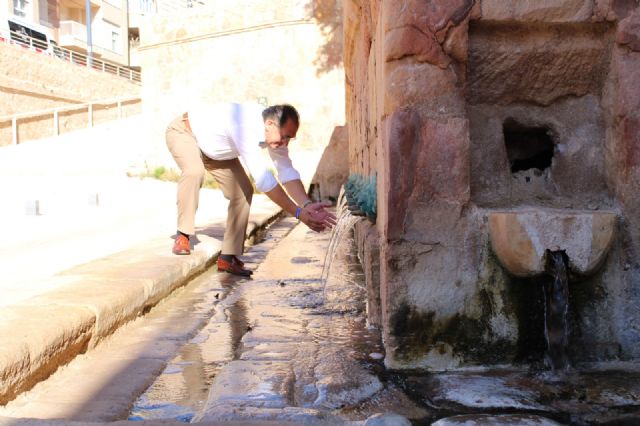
(360, 194)
(355, 210)
(556, 297)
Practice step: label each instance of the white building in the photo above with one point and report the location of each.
(64, 22)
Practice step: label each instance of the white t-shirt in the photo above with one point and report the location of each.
(226, 131)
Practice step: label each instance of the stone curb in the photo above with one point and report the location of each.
(93, 300)
(6, 421)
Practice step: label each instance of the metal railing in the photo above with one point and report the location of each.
(55, 113)
(53, 50)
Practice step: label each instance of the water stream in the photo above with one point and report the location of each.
(556, 306)
(341, 231)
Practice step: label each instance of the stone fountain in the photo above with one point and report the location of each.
(522, 238)
(500, 131)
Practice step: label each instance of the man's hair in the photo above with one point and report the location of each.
(281, 114)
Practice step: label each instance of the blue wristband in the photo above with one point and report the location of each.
(298, 211)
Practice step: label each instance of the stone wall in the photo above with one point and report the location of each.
(274, 52)
(436, 92)
(333, 168)
(33, 81)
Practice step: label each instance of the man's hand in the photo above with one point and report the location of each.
(316, 217)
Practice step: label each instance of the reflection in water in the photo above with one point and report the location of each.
(239, 325)
(182, 388)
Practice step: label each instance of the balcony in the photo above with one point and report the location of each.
(73, 36)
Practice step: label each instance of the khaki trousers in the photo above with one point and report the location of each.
(229, 174)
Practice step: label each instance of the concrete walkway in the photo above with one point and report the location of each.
(86, 249)
(276, 349)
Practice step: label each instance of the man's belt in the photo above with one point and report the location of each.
(185, 120)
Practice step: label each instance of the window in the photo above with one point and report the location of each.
(21, 8)
(48, 12)
(114, 41)
(110, 36)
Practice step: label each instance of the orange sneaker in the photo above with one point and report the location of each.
(233, 267)
(181, 246)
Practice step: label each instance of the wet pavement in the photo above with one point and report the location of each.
(292, 346)
(298, 349)
(274, 350)
(226, 348)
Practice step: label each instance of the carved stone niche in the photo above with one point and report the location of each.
(534, 103)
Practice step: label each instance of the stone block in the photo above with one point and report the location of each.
(36, 341)
(537, 10)
(426, 16)
(456, 44)
(342, 381)
(625, 91)
(602, 11)
(411, 84)
(401, 133)
(613, 10)
(496, 420)
(428, 162)
(630, 147)
(368, 246)
(409, 41)
(435, 222)
(439, 264)
(113, 302)
(442, 307)
(627, 155)
(628, 33)
(254, 416)
(624, 158)
(161, 276)
(545, 64)
(443, 157)
(387, 419)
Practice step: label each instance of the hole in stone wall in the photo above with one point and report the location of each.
(527, 147)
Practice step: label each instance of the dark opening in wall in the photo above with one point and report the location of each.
(527, 147)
